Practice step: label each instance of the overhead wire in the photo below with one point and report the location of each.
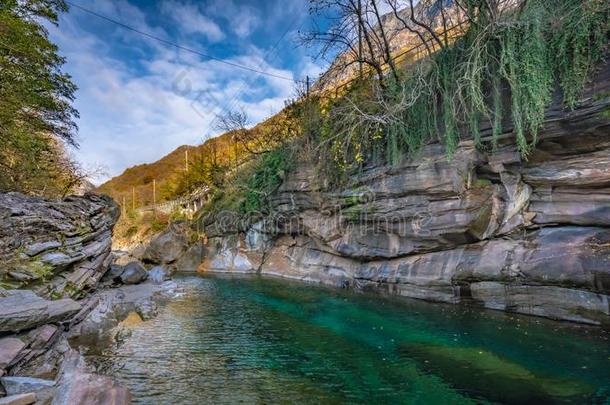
(178, 46)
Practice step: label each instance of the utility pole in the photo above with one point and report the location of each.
(155, 196)
(186, 160)
(307, 85)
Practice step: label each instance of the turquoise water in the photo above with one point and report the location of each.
(253, 340)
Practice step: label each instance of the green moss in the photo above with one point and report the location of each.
(73, 291)
(605, 114)
(6, 284)
(55, 295)
(481, 183)
(601, 96)
(38, 269)
(358, 212)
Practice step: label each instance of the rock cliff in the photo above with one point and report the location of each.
(529, 236)
(56, 257)
(57, 248)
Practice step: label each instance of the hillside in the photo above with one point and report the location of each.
(169, 171)
(166, 172)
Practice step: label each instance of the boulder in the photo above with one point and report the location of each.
(133, 273)
(21, 399)
(167, 247)
(10, 348)
(23, 309)
(191, 259)
(24, 385)
(114, 272)
(77, 385)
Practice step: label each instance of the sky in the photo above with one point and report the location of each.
(139, 99)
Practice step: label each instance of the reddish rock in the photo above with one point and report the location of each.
(9, 351)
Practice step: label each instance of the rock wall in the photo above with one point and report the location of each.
(57, 248)
(529, 236)
(61, 293)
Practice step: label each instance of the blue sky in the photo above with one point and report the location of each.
(140, 99)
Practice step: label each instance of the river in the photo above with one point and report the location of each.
(255, 340)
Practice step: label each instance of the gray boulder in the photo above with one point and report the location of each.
(23, 385)
(114, 272)
(191, 259)
(133, 273)
(168, 246)
(22, 309)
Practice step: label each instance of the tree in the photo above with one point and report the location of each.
(36, 115)
(354, 34)
(259, 140)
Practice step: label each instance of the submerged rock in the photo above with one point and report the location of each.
(77, 385)
(21, 399)
(23, 385)
(478, 370)
(97, 329)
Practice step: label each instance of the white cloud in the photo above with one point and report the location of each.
(131, 116)
(243, 19)
(192, 20)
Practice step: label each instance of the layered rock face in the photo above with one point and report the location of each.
(57, 248)
(529, 236)
(54, 255)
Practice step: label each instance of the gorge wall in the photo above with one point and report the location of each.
(57, 248)
(63, 293)
(528, 236)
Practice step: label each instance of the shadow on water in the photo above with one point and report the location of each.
(229, 340)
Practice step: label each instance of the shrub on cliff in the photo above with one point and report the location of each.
(507, 62)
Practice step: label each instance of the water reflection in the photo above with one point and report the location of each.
(267, 341)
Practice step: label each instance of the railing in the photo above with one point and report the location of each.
(187, 204)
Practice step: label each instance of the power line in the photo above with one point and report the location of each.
(229, 106)
(178, 46)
